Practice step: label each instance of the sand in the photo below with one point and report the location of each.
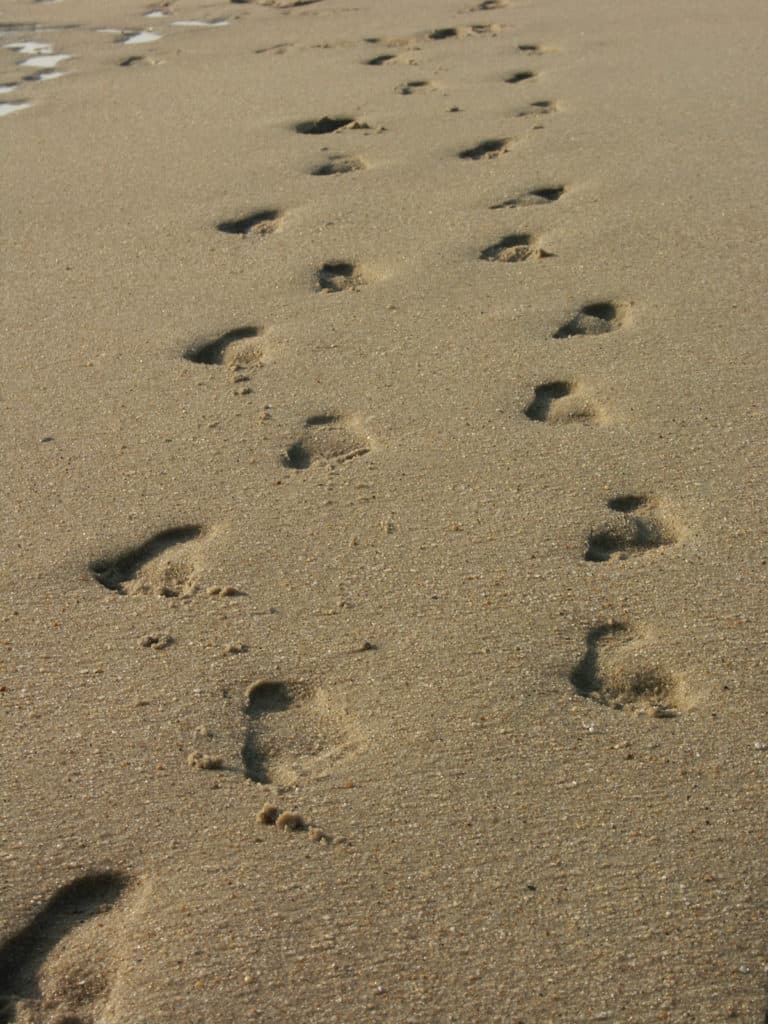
(384, 512)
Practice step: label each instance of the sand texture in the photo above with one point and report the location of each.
(384, 512)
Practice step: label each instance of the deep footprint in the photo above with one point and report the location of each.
(636, 528)
(227, 349)
(326, 438)
(148, 568)
(562, 401)
(23, 956)
(520, 76)
(340, 277)
(515, 249)
(534, 197)
(595, 318)
(615, 671)
(262, 222)
(488, 150)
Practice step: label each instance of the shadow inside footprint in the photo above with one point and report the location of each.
(637, 528)
(262, 222)
(514, 249)
(125, 573)
(23, 955)
(520, 76)
(488, 150)
(616, 672)
(594, 318)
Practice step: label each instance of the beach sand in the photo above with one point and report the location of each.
(384, 438)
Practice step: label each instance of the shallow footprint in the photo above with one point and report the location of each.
(563, 401)
(596, 318)
(534, 197)
(55, 967)
(328, 125)
(637, 527)
(515, 249)
(260, 222)
(154, 567)
(490, 149)
(326, 438)
(617, 671)
(338, 164)
(293, 730)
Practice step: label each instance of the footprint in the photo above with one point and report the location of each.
(562, 401)
(520, 76)
(237, 349)
(326, 125)
(389, 58)
(538, 108)
(515, 249)
(464, 31)
(294, 730)
(617, 671)
(490, 5)
(637, 527)
(326, 438)
(596, 318)
(488, 150)
(339, 164)
(261, 222)
(55, 967)
(535, 197)
(149, 568)
(340, 277)
(410, 87)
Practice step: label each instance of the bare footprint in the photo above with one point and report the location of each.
(490, 149)
(515, 249)
(389, 58)
(326, 438)
(534, 197)
(328, 125)
(294, 730)
(539, 108)
(340, 277)
(237, 350)
(618, 671)
(563, 401)
(154, 567)
(55, 968)
(638, 526)
(260, 222)
(409, 88)
(520, 76)
(596, 318)
(338, 164)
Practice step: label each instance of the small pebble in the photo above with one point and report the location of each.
(268, 814)
(204, 761)
(157, 642)
(290, 820)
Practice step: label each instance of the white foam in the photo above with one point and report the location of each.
(49, 61)
(7, 88)
(30, 47)
(141, 37)
(11, 108)
(219, 23)
(156, 14)
(46, 76)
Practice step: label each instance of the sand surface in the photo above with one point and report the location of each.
(384, 433)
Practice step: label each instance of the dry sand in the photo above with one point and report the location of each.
(425, 501)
